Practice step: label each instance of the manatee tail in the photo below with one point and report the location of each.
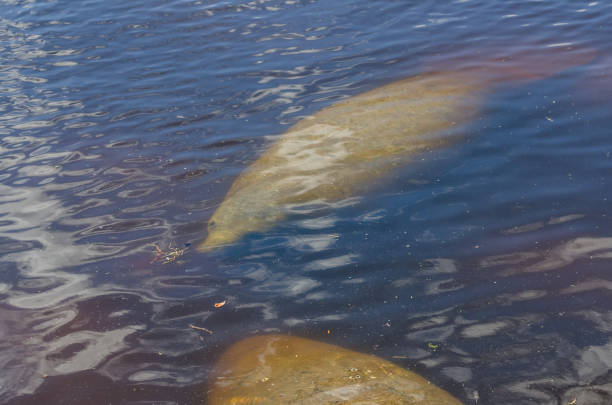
(511, 64)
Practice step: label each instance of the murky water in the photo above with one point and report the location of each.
(483, 266)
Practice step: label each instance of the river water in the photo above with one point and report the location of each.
(483, 266)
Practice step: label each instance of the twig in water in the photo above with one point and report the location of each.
(192, 326)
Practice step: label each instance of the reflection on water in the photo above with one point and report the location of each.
(483, 266)
(558, 257)
(46, 295)
(38, 254)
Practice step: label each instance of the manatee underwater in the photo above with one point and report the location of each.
(279, 369)
(342, 150)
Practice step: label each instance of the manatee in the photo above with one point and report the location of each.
(340, 151)
(279, 369)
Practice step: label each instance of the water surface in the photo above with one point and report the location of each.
(482, 266)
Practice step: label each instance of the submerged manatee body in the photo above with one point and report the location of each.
(341, 150)
(278, 369)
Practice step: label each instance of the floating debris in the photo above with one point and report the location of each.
(171, 255)
(220, 304)
(192, 326)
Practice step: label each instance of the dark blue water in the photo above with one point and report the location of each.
(123, 124)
